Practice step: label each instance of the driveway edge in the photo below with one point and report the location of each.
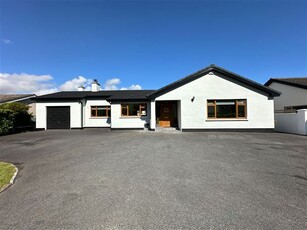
(12, 179)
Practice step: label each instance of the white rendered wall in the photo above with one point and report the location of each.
(291, 96)
(152, 115)
(118, 121)
(260, 109)
(179, 114)
(292, 122)
(75, 113)
(95, 121)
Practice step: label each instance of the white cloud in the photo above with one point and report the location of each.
(24, 83)
(43, 84)
(46, 91)
(132, 87)
(6, 41)
(74, 83)
(111, 84)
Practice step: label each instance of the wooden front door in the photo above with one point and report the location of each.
(166, 116)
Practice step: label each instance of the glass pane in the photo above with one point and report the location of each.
(101, 112)
(211, 111)
(226, 111)
(225, 102)
(143, 110)
(134, 110)
(93, 112)
(241, 111)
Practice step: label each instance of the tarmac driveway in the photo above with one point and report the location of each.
(97, 179)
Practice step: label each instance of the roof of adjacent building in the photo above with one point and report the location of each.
(14, 97)
(300, 82)
(110, 95)
(215, 69)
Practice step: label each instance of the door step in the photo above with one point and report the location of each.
(167, 129)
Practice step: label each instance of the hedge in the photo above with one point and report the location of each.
(12, 116)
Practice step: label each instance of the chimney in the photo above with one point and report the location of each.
(95, 86)
(81, 88)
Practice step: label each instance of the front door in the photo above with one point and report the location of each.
(166, 116)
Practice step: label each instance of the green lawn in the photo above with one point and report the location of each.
(7, 171)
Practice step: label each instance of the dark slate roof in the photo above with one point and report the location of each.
(12, 97)
(110, 95)
(300, 82)
(124, 95)
(213, 68)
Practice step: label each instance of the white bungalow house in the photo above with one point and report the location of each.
(210, 99)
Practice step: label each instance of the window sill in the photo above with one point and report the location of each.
(130, 117)
(227, 119)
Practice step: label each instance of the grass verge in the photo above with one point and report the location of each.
(7, 171)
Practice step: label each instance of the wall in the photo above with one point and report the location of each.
(292, 122)
(89, 121)
(75, 113)
(194, 114)
(32, 110)
(291, 96)
(118, 121)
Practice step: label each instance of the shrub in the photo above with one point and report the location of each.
(13, 115)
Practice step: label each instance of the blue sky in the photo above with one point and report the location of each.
(51, 45)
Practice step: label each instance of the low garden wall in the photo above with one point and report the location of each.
(292, 122)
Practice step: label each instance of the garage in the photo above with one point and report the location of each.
(58, 117)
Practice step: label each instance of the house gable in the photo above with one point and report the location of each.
(213, 69)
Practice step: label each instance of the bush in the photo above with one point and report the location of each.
(13, 115)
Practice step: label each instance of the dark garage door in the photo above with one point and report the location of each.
(58, 117)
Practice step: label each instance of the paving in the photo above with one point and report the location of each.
(100, 179)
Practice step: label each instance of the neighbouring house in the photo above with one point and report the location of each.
(294, 93)
(291, 106)
(26, 99)
(209, 99)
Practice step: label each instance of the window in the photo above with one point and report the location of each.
(134, 110)
(226, 109)
(100, 111)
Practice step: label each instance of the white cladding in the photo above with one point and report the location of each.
(75, 113)
(194, 113)
(90, 121)
(291, 96)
